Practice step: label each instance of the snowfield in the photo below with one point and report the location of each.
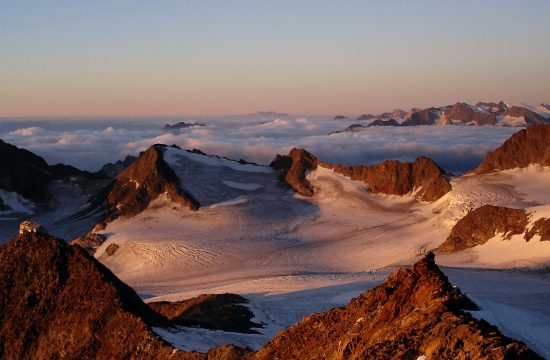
(292, 256)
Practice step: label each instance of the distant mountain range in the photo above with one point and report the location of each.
(480, 114)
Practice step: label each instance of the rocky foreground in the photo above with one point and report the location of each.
(58, 301)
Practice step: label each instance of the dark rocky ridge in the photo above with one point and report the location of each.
(483, 223)
(24, 173)
(144, 181)
(393, 177)
(379, 122)
(113, 169)
(224, 312)
(415, 312)
(526, 147)
(294, 168)
(181, 125)
(29, 175)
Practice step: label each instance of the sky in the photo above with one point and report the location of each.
(168, 57)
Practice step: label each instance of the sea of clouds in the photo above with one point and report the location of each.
(90, 143)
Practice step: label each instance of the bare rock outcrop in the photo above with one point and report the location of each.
(531, 117)
(393, 177)
(225, 312)
(144, 181)
(294, 168)
(483, 223)
(416, 312)
(89, 242)
(526, 147)
(422, 117)
(380, 122)
(57, 301)
(464, 113)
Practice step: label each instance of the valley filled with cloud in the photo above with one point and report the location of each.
(90, 143)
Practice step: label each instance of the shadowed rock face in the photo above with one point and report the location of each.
(415, 312)
(113, 169)
(294, 168)
(145, 180)
(379, 122)
(464, 113)
(24, 173)
(528, 146)
(224, 312)
(483, 223)
(393, 177)
(29, 175)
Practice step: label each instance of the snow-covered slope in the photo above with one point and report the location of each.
(254, 237)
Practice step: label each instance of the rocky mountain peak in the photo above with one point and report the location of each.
(143, 181)
(526, 147)
(416, 312)
(294, 168)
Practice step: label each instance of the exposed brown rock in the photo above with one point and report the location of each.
(415, 312)
(422, 117)
(465, 114)
(531, 118)
(540, 227)
(493, 107)
(528, 146)
(379, 122)
(57, 301)
(230, 352)
(294, 168)
(89, 242)
(393, 177)
(144, 181)
(224, 312)
(111, 249)
(482, 224)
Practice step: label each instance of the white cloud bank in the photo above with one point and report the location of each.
(255, 138)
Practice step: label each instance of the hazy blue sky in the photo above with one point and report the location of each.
(217, 57)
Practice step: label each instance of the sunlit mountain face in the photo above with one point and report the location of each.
(249, 180)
